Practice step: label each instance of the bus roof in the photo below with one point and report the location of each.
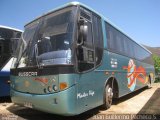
(10, 28)
(75, 3)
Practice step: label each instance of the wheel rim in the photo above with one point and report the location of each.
(109, 95)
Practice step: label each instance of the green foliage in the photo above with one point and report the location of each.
(157, 80)
(156, 63)
(157, 67)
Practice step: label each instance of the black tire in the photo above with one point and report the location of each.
(149, 82)
(108, 96)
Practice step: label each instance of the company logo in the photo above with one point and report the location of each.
(27, 74)
(135, 73)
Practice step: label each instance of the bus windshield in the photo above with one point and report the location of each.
(48, 40)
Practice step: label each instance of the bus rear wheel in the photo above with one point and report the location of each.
(149, 82)
(108, 96)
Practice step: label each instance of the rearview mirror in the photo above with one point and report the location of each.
(83, 31)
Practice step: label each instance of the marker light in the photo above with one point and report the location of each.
(63, 85)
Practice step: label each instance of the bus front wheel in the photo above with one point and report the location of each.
(108, 96)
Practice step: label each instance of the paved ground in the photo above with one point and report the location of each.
(145, 101)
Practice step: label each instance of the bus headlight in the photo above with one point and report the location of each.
(49, 88)
(55, 88)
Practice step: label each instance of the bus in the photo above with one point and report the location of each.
(72, 59)
(7, 35)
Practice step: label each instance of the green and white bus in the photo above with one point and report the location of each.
(72, 59)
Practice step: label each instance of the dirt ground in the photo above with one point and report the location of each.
(142, 104)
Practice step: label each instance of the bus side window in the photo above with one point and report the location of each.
(98, 38)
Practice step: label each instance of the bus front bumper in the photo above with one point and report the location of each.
(61, 103)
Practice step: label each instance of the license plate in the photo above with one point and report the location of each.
(28, 104)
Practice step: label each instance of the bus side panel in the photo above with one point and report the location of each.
(91, 85)
(129, 79)
(102, 74)
(88, 91)
(114, 68)
(148, 71)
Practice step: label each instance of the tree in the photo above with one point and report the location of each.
(156, 63)
(157, 66)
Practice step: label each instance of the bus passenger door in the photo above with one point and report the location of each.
(85, 62)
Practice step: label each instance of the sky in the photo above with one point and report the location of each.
(139, 19)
